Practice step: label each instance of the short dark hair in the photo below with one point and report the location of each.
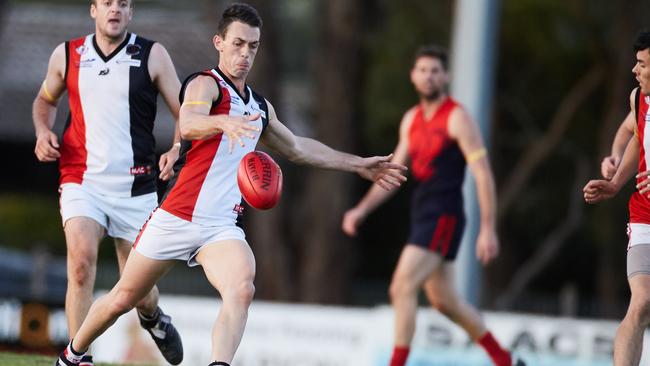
(238, 12)
(434, 51)
(642, 41)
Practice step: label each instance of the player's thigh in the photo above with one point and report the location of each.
(83, 235)
(122, 250)
(415, 265)
(140, 274)
(227, 263)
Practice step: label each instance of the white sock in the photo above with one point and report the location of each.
(71, 355)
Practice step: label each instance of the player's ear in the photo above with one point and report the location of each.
(218, 42)
(93, 10)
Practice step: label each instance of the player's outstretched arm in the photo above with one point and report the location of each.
(196, 123)
(302, 150)
(45, 105)
(465, 131)
(166, 80)
(376, 195)
(625, 131)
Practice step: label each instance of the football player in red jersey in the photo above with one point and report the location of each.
(440, 139)
(628, 344)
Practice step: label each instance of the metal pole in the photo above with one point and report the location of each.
(472, 73)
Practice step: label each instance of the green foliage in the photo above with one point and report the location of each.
(389, 93)
(30, 220)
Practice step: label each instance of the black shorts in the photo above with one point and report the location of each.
(438, 232)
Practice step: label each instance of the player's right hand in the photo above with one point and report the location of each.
(599, 190)
(609, 165)
(236, 127)
(351, 221)
(47, 146)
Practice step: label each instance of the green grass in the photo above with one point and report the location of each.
(14, 359)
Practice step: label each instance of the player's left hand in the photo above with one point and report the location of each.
(598, 190)
(380, 170)
(166, 163)
(487, 245)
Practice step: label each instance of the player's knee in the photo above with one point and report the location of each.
(81, 271)
(242, 293)
(398, 289)
(640, 311)
(122, 301)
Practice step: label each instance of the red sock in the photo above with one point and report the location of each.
(499, 356)
(400, 354)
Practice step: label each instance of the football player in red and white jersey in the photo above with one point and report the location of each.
(628, 344)
(106, 154)
(221, 119)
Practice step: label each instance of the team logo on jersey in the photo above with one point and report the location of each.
(104, 72)
(133, 49)
(81, 49)
(87, 63)
(238, 209)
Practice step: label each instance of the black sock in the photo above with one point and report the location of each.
(219, 363)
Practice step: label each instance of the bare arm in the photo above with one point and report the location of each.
(196, 123)
(164, 77)
(465, 131)
(45, 106)
(625, 131)
(599, 190)
(303, 150)
(376, 195)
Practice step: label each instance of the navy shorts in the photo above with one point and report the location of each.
(438, 232)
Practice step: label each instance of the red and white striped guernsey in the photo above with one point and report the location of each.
(108, 143)
(204, 189)
(639, 205)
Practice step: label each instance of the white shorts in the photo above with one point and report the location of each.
(122, 217)
(638, 234)
(166, 236)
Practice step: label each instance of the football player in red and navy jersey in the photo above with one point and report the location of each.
(221, 119)
(440, 140)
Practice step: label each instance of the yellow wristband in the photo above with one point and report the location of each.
(196, 103)
(476, 155)
(47, 93)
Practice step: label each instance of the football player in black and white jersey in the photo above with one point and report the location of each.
(106, 154)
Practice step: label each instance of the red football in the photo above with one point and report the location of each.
(260, 180)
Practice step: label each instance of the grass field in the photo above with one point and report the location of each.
(14, 359)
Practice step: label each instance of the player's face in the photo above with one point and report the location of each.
(642, 70)
(237, 49)
(429, 77)
(111, 17)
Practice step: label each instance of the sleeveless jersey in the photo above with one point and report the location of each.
(108, 143)
(204, 189)
(437, 163)
(639, 205)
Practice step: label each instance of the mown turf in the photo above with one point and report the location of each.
(13, 359)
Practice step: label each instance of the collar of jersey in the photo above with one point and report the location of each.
(115, 52)
(232, 85)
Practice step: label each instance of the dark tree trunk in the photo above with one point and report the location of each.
(326, 254)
